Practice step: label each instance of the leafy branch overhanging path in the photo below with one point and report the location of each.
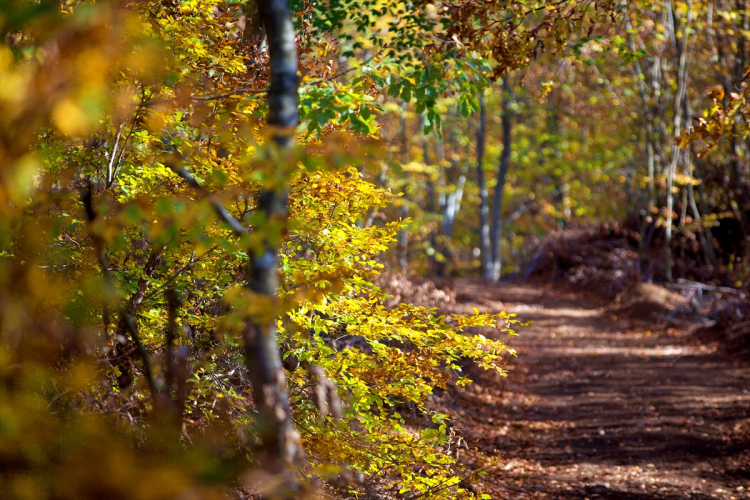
(599, 407)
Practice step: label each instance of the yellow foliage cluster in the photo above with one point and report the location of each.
(106, 252)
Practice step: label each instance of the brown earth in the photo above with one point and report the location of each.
(599, 406)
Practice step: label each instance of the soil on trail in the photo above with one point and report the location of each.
(596, 406)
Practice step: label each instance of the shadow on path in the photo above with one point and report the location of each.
(594, 407)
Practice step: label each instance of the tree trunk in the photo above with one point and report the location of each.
(275, 426)
(403, 235)
(453, 206)
(430, 194)
(441, 184)
(709, 246)
(693, 169)
(730, 81)
(497, 206)
(682, 48)
(648, 119)
(484, 209)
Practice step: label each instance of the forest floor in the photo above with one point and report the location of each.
(597, 406)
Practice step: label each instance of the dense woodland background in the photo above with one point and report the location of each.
(217, 219)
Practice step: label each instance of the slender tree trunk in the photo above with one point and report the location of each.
(734, 163)
(441, 187)
(707, 251)
(497, 206)
(455, 195)
(452, 182)
(430, 186)
(740, 58)
(693, 169)
(709, 245)
(729, 85)
(734, 37)
(683, 219)
(439, 240)
(430, 194)
(682, 49)
(484, 209)
(647, 215)
(453, 205)
(275, 427)
(403, 235)
(648, 118)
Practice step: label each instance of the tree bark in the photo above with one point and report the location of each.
(453, 196)
(484, 209)
(275, 426)
(497, 205)
(403, 234)
(453, 205)
(693, 169)
(648, 122)
(682, 49)
(709, 246)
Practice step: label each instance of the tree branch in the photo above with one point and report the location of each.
(266, 91)
(88, 203)
(220, 210)
(230, 94)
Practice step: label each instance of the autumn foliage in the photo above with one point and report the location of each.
(135, 160)
(148, 182)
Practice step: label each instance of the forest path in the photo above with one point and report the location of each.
(596, 408)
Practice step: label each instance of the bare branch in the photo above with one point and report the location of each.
(87, 196)
(220, 210)
(230, 94)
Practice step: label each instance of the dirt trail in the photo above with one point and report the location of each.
(595, 407)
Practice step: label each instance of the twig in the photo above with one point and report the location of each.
(220, 210)
(125, 355)
(127, 137)
(88, 203)
(230, 94)
(130, 324)
(336, 75)
(177, 273)
(113, 154)
(265, 91)
(56, 398)
(173, 304)
(686, 284)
